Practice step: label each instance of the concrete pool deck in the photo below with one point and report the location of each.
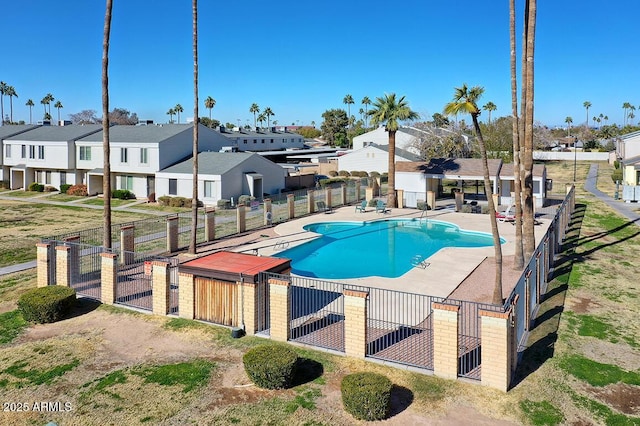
(447, 269)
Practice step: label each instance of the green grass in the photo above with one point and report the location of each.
(19, 370)
(595, 373)
(11, 325)
(541, 413)
(64, 197)
(114, 202)
(190, 375)
(603, 412)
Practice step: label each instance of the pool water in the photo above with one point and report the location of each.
(386, 248)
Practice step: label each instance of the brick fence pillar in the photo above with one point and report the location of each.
(445, 340)
(431, 200)
(209, 225)
(127, 244)
(241, 218)
(355, 323)
(311, 205)
(161, 287)
(279, 309)
(368, 194)
(43, 264)
(249, 307)
(109, 277)
(400, 198)
(63, 270)
(172, 234)
(291, 206)
(186, 295)
(268, 215)
(498, 343)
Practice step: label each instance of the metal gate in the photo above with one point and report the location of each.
(134, 285)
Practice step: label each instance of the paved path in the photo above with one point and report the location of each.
(628, 210)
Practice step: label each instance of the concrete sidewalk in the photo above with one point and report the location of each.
(628, 210)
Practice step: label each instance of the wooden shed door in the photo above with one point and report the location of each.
(216, 301)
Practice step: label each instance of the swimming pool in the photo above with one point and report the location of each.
(382, 248)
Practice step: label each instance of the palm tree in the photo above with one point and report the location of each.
(361, 112)
(625, 106)
(518, 262)
(3, 91)
(605, 118)
(268, 113)
(631, 114)
(586, 106)
(30, 105)
(44, 101)
(366, 102)
(262, 118)
(58, 105)
(255, 109)
(348, 100)
(489, 106)
(209, 103)
(106, 151)
(390, 112)
(178, 109)
(11, 92)
(49, 99)
(568, 120)
(171, 113)
(465, 100)
(594, 118)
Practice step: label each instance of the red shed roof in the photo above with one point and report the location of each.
(229, 265)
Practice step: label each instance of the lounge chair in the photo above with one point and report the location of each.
(322, 207)
(362, 208)
(381, 207)
(506, 216)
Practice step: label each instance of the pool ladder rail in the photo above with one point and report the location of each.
(418, 261)
(281, 245)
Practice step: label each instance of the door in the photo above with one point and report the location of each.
(216, 301)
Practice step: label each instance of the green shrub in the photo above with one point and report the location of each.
(165, 200)
(344, 173)
(50, 188)
(35, 187)
(332, 173)
(5, 184)
(78, 190)
(616, 175)
(224, 204)
(64, 188)
(245, 199)
(373, 202)
(123, 194)
(374, 174)
(46, 304)
(366, 396)
(271, 366)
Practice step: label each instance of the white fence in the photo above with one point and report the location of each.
(570, 156)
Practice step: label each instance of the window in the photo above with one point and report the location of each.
(271, 140)
(63, 178)
(126, 182)
(245, 141)
(208, 189)
(41, 152)
(262, 140)
(32, 151)
(24, 151)
(144, 156)
(284, 140)
(39, 176)
(7, 151)
(255, 141)
(85, 153)
(173, 186)
(124, 156)
(47, 177)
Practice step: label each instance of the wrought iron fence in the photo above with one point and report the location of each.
(262, 309)
(174, 287)
(84, 268)
(134, 286)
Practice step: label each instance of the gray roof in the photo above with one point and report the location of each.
(143, 134)
(630, 135)
(57, 133)
(631, 160)
(263, 134)
(453, 167)
(9, 130)
(211, 163)
(403, 153)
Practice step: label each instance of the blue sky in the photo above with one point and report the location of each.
(301, 58)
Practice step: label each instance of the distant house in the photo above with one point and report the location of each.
(138, 152)
(8, 151)
(44, 154)
(628, 146)
(416, 178)
(631, 171)
(261, 139)
(540, 184)
(373, 158)
(407, 137)
(222, 176)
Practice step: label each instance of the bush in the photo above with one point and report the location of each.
(332, 173)
(271, 366)
(224, 204)
(35, 187)
(123, 194)
(5, 184)
(50, 188)
(177, 201)
(373, 202)
(64, 188)
(78, 190)
(374, 174)
(245, 199)
(46, 304)
(366, 396)
(164, 200)
(616, 175)
(344, 173)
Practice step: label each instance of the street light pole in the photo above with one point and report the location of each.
(575, 158)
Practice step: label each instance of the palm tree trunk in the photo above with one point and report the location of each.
(194, 201)
(11, 109)
(528, 227)
(391, 182)
(518, 263)
(497, 289)
(106, 152)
